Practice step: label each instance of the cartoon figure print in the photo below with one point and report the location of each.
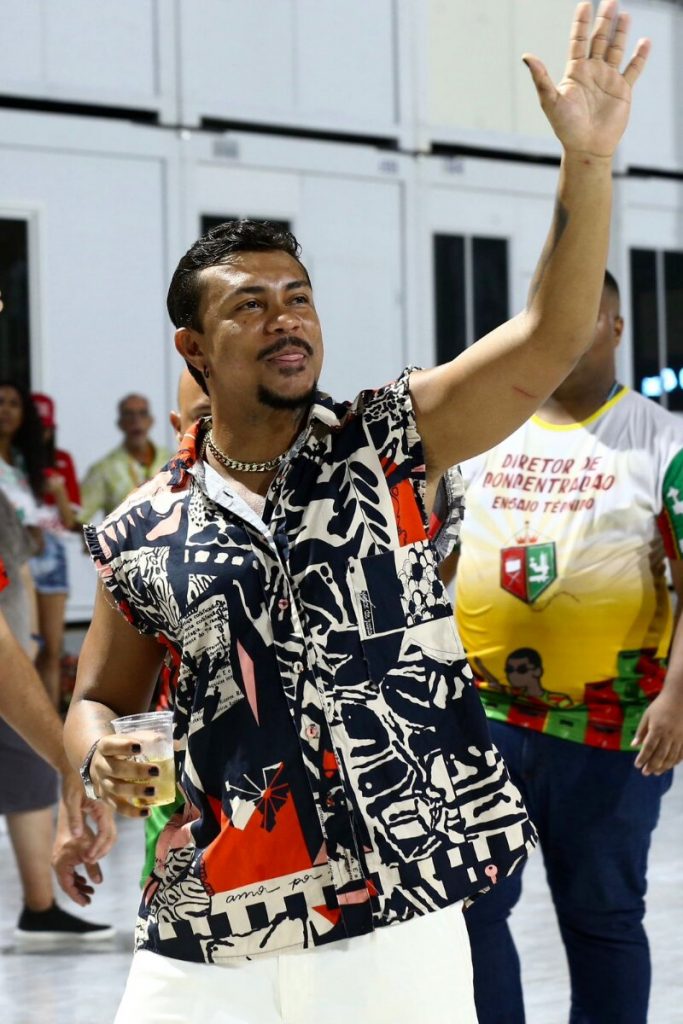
(524, 678)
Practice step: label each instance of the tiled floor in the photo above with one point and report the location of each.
(67, 987)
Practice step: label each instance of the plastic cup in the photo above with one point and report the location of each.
(154, 733)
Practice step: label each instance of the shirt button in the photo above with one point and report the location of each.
(297, 666)
(283, 604)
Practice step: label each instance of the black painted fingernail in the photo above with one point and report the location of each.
(150, 791)
(136, 748)
(144, 813)
(154, 771)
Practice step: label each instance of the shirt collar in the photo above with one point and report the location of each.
(322, 410)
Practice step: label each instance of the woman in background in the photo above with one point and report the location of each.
(23, 458)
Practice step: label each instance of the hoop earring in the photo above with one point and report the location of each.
(206, 372)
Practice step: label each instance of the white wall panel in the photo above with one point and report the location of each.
(97, 194)
(352, 231)
(102, 285)
(469, 48)
(345, 61)
(107, 48)
(309, 63)
(655, 134)
(486, 199)
(478, 91)
(236, 59)
(226, 191)
(22, 60)
(90, 51)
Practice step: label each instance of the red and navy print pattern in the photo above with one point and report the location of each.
(332, 749)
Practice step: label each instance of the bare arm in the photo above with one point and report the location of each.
(25, 705)
(117, 672)
(660, 732)
(469, 405)
(57, 488)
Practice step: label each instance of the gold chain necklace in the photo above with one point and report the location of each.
(235, 464)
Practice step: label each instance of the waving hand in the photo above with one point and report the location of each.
(589, 108)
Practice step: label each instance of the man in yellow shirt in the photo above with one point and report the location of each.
(564, 612)
(136, 460)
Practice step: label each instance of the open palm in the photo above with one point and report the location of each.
(589, 108)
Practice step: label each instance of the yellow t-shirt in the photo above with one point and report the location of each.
(561, 600)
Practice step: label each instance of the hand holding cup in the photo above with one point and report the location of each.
(133, 769)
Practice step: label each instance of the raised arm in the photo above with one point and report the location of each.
(467, 406)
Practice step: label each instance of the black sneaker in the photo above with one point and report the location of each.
(52, 926)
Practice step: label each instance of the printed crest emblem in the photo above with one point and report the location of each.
(526, 570)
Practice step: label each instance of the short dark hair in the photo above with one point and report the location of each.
(611, 283)
(215, 247)
(528, 653)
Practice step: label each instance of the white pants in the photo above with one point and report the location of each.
(419, 972)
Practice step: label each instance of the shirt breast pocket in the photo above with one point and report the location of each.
(402, 608)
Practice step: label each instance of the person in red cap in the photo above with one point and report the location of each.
(61, 502)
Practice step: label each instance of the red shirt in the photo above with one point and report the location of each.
(64, 467)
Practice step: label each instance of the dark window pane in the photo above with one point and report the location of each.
(490, 278)
(15, 336)
(673, 287)
(449, 296)
(646, 368)
(212, 220)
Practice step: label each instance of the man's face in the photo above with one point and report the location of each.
(261, 337)
(522, 673)
(135, 420)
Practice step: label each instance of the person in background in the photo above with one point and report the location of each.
(563, 608)
(136, 460)
(28, 789)
(25, 706)
(23, 458)
(60, 506)
(193, 405)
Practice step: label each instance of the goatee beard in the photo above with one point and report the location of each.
(294, 402)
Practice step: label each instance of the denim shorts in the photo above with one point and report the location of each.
(50, 569)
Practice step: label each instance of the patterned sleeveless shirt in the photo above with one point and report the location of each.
(331, 746)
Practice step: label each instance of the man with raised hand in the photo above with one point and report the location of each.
(563, 608)
(333, 752)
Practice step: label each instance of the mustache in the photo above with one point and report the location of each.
(289, 341)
